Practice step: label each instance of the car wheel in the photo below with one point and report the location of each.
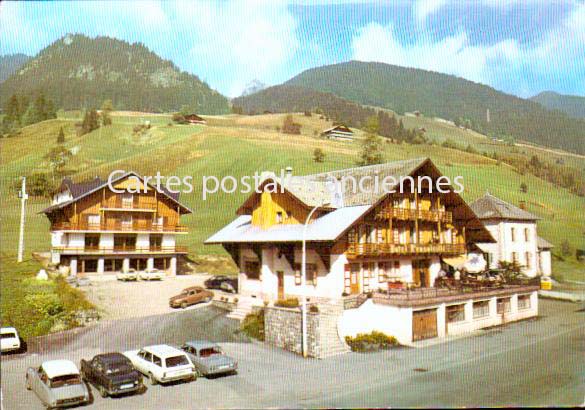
(153, 381)
(103, 391)
(208, 299)
(184, 305)
(27, 384)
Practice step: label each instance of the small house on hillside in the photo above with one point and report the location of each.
(194, 119)
(339, 132)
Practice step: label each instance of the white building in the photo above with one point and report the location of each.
(517, 240)
(388, 246)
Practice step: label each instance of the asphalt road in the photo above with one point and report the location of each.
(538, 362)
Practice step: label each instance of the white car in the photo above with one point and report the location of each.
(130, 274)
(9, 340)
(151, 274)
(57, 384)
(162, 363)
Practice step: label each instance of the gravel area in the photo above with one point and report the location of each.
(120, 300)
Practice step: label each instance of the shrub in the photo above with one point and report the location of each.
(48, 304)
(308, 113)
(287, 303)
(565, 248)
(179, 118)
(289, 126)
(318, 155)
(371, 341)
(314, 309)
(253, 325)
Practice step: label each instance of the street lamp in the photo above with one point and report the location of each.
(304, 278)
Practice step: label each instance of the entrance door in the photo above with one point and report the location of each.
(280, 275)
(354, 284)
(424, 324)
(421, 275)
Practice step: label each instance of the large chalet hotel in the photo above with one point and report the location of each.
(96, 231)
(393, 247)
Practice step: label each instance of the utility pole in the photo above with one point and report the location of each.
(23, 197)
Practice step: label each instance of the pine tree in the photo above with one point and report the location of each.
(107, 108)
(90, 122)
(61, 136)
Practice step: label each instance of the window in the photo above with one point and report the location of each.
(513, 232)
(155, 242)
(481, 309)
(175, 361)
(311, 274)
(156, 360)
(528, 260)
(455, 313)
(526, 234)
(252, 269)
(523, 302)
(93, 221)
(279, 218)
(368, 269)
(384, 271)
(127, 200)
(504, 305)
(92, 242)
(515, 257)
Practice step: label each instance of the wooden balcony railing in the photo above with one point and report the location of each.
(118, 226)
(95, 250)
(406, 214)
(120, 204)
(373, 249)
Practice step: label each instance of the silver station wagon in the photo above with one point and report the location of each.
(58, 384)
(209, 359)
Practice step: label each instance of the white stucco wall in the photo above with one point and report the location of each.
(142, 241)
(545, 262)
(76, 240)
(505, 247)
(107, 241)
(168, 240)
(397, 322)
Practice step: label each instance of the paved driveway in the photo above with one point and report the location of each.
(535, 362)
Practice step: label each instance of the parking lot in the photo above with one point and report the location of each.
(119, 300)
(535, 362)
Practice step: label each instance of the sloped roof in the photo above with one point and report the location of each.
(543, 243)
(84, 188)
(341, 127)
(491, 207)
(326, 228)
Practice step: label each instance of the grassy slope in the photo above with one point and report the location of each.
(237, 145)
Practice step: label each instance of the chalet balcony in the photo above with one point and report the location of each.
(119, 226)
(375, 249)
(405, 214)
(95, 250)
(121, 205)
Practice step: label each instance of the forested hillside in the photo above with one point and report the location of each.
(78, 72)
(10, 63)
(572, 105)
(433, 94)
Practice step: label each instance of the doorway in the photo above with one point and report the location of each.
(280, 276)
(420, 272)
(424, 324)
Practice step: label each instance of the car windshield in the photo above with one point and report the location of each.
(176, 361)
(209, 351)
(120, 367)
(65, 380)
(8, 336)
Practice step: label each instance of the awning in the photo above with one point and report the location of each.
(456, 262)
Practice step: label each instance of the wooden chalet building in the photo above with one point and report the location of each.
(194, 119)
(338, 132)
(95, 230)
(367, 243)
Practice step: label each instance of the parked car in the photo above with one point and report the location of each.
(190, 296)
(57, 384)
(209, 359)
(9, 340)
(162, 363)
(130, 274)
(151, 274)
(112, 374)
(229, 285)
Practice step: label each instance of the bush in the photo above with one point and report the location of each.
(289, 126)
(253, 325)
(371, 341)
(318, 155)
(314, 309)
(287, 303)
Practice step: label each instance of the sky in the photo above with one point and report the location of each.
(521, 47)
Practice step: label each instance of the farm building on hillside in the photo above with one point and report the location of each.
(338, 132)
(378, 260)
(194, 119)
(95, 230)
